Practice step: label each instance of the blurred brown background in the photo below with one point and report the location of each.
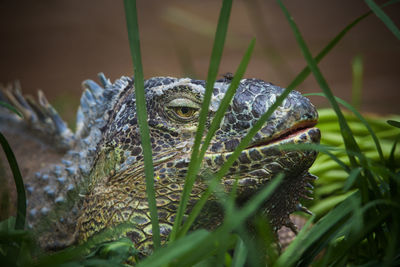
(54, 45)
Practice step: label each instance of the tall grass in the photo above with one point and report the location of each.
(195, 159)
(356, 219)
(134, 43)
(21, 198)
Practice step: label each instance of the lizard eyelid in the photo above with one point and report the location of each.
(183, 102)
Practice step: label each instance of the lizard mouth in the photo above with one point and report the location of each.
(296, 131)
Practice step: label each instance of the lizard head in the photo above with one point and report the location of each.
(117, 183)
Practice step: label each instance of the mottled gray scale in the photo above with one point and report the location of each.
(216, 147)
(136, 235)
(158, 81)
(255, 155)
(199, 82)
(259, 106)
(244, 159)
(140, 219)
(230, 145)
(165, 229)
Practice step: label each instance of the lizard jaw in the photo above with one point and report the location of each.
(296, 131)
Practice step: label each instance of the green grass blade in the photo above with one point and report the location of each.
(227, 98)
(134, 44)
(195, 160)
(328, 203)
(19, 183)
(357, 68)
(306, 71)
(320, 148)
(349, 141)
(12, 108)
(225, 103)
(239, 257)
(273, 55)
(236, 219)
(394, 123)
(385, 18)
(313, 241)
(362, 119)
(266, 240)
(392, 158)
(235, 155)
(351, 179)
(76, 253)
(292, 249)
(166, 255)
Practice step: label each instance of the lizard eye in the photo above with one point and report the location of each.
(184, 112)
(183, 109)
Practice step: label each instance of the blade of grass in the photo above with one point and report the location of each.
(80, 251)
(362, 119)
(224, 105)
(317, 147)
(10, 236)
(252, 257)
(234, 156)
(347, 134)
(349, 141)
(228, 201)
(385, 18)
(357, 68)
(227, 98)
(236, 219)
(366, 192)
(272, 54)
(179, 247)
(369, 227)
(134, 44)
(392, 160)
(195, 159)
(306, 71)
(19, 183)
(328, 203)
(304, 249)
(351, 179)
(12, 108)
(394, 123)
(266, 240)
(239, 257)
(292, 249)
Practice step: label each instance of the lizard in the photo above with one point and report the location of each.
(97, 181)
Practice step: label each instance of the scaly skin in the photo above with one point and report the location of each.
(117, 191)
(114, 183)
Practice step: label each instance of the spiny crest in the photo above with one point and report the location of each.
(39, 116)
(53, 185)
(93, 114)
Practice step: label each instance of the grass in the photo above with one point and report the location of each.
(134, 43)
(19, 183)
(195, 159)
(357, 195)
